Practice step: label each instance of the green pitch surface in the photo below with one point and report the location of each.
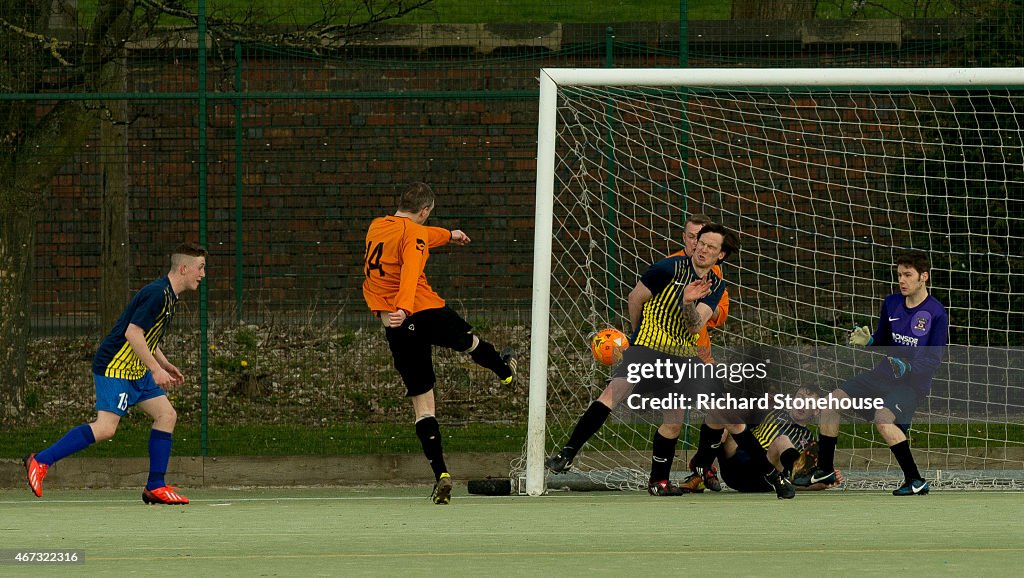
(398, 532)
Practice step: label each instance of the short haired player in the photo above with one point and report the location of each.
(415, 318)
(129, 369)
(913, 330)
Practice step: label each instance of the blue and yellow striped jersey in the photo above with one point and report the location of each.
(151, 309)
(778, 422)
(662, 323)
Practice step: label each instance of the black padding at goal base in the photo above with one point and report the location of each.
(490, 487)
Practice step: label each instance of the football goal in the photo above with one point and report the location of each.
(827, 175)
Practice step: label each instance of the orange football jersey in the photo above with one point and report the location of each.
(397, 250)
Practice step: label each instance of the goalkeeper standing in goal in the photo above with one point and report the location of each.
(912, 328)
(415, 318)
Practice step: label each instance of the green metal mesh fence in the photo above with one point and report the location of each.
(299, 149)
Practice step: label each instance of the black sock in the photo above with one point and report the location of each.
(788, 458)
(747, 442)
(586, 427)
(707, 446)
(906, 460)
(663, 454)
(429, 433)
(485, 356)
(826, 453)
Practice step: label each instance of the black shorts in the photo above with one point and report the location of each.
(899, 398)
(412, 342)
(738, 473)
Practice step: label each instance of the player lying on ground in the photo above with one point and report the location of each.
(787, 442)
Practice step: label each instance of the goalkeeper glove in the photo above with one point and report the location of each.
(861, 337)
(900, 368)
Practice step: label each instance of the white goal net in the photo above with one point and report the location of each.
(827, 175)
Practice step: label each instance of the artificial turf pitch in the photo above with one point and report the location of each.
(397, 531)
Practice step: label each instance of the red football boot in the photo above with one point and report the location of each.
(164, 495)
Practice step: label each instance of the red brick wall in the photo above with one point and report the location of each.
(315, 171)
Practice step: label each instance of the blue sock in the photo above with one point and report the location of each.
(74, 441)
(159, 455)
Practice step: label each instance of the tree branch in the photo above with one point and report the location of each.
(50, 44)
(333, 28)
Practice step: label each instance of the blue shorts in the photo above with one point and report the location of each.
(117, 395)
(900, 398)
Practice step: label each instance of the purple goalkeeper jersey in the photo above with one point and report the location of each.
(921, 331)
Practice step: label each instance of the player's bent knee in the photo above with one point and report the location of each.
(168, 418)
(884, 417)
(616, 390)
(891, 433)
(103, 432)
(670, 430)
(829, 409)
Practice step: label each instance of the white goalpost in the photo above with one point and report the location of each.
(827, 175)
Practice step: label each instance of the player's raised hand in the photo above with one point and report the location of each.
(861, 336)
(697, 290)
(460, 238)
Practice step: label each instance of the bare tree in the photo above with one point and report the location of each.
(34, 146)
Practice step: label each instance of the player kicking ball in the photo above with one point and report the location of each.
(129, 369)
(912, 329)
(415, 317)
